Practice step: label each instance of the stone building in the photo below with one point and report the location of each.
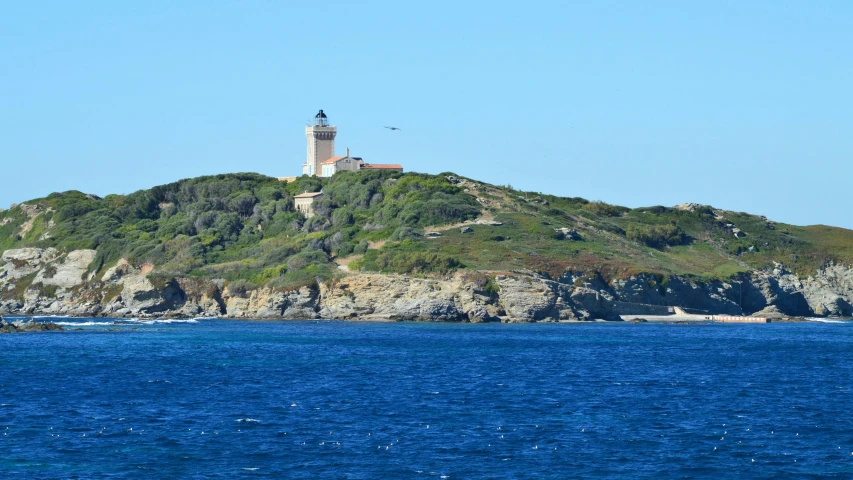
(304, 202)
(340, 164)
(322, 162)
(382, 166)
(321, 144)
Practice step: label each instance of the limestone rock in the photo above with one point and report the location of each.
(528, 299)
(140, 296)
(688, 207)
(21, 262)
(777, 287)
(717, 297)
(568, 233)
(268, 303)
(390, 297)
(68, 271)
(120, 269)
(769, 312)
(830, 291)
(593, 303)
(521, 296)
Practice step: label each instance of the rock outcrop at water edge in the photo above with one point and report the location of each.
(46, 281)
(27, 326)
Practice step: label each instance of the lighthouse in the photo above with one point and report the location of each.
(321, 143)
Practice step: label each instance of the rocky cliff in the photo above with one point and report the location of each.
(48, 281)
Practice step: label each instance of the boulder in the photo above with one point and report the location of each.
(527, 299)
(568, 233)
(771, 311)
(140, 296)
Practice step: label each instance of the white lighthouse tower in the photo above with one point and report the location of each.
(321, 144)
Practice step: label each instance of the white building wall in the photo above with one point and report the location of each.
(321, 147)
(349, 164)
(305, 206)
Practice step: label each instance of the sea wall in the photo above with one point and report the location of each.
(45, 281)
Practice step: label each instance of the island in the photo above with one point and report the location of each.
(380, 244)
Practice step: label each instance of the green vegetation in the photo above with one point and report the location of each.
(407, 257)
(656, 236)
(19, 289)
(243, 228)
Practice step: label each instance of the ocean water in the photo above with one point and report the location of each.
(237, 399)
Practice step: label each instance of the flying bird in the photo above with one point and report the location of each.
(392, 128)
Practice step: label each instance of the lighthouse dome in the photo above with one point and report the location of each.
(320, 119)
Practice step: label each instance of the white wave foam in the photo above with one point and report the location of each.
(824, 320)
(83, 324)
(156, 321)
(248, 420)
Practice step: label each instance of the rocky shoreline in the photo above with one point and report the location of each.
(27, 326)
(38, 281)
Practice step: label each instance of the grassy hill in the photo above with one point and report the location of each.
(243, 228)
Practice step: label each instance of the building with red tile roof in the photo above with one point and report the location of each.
(322, 162)
(382, 166)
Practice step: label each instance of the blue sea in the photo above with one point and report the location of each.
(306, 399)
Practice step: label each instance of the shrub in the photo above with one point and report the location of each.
(278, 255)
(419, 262)
(405, 233)
(604, 209)
(18, 263)
(240, 288)
(332, 243)
(487, 284)
(49, 271)
(345, 249)
(656, 210)
(405, 258)
(341, 217)
(243, 204)
(47, 291)
(705, 211)
(268, 274)
(306, 258)
(361, 247)
(315, 224)
(656, 236)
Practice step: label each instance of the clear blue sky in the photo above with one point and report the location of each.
(743, 105)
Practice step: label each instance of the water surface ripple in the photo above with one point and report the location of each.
(225, 399)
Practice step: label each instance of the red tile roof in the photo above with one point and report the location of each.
(333, 160)
(382, 165)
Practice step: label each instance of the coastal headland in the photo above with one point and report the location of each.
(387, 245)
